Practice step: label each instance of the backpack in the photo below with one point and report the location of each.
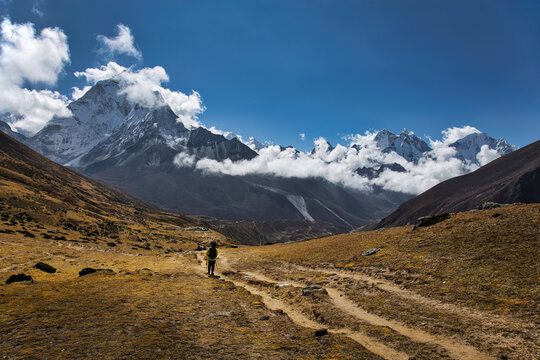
(212, 253)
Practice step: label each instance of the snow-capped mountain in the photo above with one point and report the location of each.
(95, 116)
(105, 126)
(406, 144)
(467, 148)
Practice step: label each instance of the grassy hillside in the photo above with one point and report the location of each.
(473, 276)
(41, 199)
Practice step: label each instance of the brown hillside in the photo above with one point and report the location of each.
(513, 178)
(39, 198)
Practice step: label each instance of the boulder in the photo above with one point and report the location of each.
(18, 277)
(489, 205)
(321, 332)
(371, 251)
(313, 289)
(430, 220)
(45, 267)
(87, 271)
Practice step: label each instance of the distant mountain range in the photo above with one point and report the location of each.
(510, 179)
(148, 153)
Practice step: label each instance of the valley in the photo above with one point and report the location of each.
(464, 288)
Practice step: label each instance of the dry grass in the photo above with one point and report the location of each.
(151, 307)
(473, 259)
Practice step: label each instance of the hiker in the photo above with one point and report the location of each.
(211, 256)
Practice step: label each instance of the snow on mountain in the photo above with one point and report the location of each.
(407, 144)
(254, 144)
(96, 115)
(296, 200)
(105, 125)
(468, 148)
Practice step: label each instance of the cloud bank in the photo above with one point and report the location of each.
(122, 43)
(339, 165)
(27, 57)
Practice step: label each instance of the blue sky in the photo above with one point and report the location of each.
(275, 69)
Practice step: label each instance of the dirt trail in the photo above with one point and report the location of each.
(393, 288)
(297, 317)
(455, 348)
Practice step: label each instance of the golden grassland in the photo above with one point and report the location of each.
(152, 306)
(155, 302)
(483, 259)
(473, 278)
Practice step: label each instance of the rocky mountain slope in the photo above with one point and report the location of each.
(512, 178)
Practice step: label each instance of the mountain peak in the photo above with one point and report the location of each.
(468, 147)
(407, 144)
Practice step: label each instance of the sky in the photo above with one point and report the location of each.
(278, 69)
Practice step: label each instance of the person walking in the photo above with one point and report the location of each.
(211, 257)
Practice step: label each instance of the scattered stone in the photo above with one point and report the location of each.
(430, 220)
(497, 214)
(321, 332)
(18, 277)
(111, 244)
(283, 284)
(263, 318)
(45, 267)
(371, 251)
(313, 289)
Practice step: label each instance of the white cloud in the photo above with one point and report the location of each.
(78, 93)
(454, 134)
(143, 87)
(27, 57)
(184, 160)
(302, 136)
(339, 165)
(487, 155)
(122, 43)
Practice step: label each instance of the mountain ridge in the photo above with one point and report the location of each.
(512, 178)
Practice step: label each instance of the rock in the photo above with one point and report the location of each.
(18, 277)
(45, 267)
(87, 271)
(263, 318)
(489, 205)
(111, 244)
(497, 214)
(283, 284)
(200, 247)
(430, 220)
(371, 251)
(313, 289)
(321, 332)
